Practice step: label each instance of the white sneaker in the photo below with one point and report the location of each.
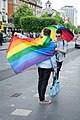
(45, 102)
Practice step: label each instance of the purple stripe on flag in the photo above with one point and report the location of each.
(33, 61)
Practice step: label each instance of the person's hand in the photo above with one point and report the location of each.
(15, 33)
(74, 39)
(57, 49)
(55, 71)
(60, 50)
(55, 40)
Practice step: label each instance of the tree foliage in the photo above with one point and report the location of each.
(36, 24)
(23, 10)
(45, 14)
(24, 19)
(59, 20)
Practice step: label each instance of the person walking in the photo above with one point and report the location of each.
(44, 71)
(61, 50)
(1, 38)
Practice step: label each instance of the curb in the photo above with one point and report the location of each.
(4, 46)
(3, 49)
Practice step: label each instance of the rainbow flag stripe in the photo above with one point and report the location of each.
(25, 52)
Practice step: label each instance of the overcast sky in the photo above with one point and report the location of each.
(57, 4)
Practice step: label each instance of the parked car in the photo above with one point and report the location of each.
(77, 42)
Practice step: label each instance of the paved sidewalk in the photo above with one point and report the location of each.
(4, 46)
(19, 98)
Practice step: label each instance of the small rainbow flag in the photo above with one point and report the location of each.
(25, 52)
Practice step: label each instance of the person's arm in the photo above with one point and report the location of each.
(60, 50)
(65, 50)
(54, 63)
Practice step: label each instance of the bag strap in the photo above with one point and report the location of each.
(63, 43)
(63, 46)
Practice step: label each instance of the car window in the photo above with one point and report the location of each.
(78, 40)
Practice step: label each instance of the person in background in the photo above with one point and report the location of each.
(1, 38)
(20, 35)
(31, 35)
(44, 71)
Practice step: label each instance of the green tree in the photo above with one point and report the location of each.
(76, 30)
(45, 14)
(36, 24)
(23, 10)
(68, 25)
(59, 20)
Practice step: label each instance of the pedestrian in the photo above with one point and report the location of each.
(44, 71)
(61, 50)
(20, 35)
(31, 35)
(1, 38)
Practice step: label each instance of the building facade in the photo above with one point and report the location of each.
(69, 13)
(38, 7)
(3, 10)
(48, 9)
(7, 7)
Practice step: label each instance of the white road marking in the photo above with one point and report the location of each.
(21, 112)
(12, 105)
(24, 97)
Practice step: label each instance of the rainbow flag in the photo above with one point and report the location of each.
(25, 52)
